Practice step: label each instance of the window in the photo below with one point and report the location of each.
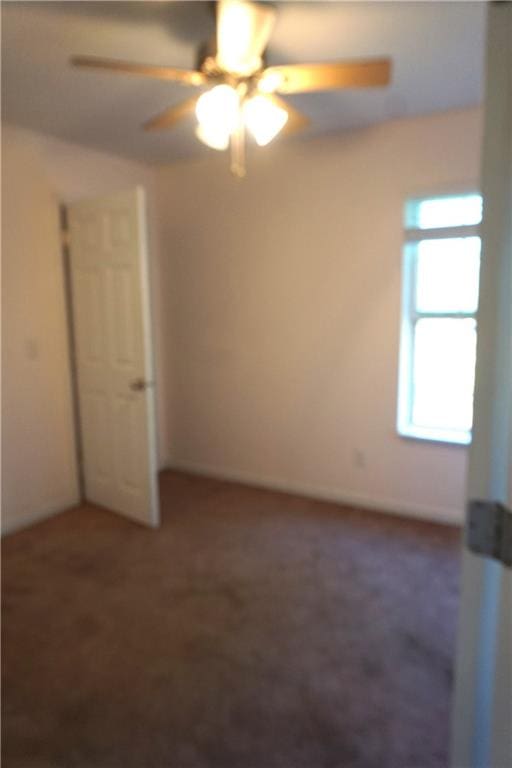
(438, 336)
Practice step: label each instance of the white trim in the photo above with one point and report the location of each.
(448, 189)
(447, 516)
(149, 362)
(28, 518)
(449, 436)
(482, 706)
(415, 235)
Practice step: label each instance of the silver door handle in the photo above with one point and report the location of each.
(139, 385)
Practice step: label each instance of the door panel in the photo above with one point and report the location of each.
(90, 325)
(113, 348)
(123, 332)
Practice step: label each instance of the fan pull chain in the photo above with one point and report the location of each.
(238, 151)
(237, 141)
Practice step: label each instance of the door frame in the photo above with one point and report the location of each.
(483, 692)
(70, 327)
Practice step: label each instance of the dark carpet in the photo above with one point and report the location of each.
(253, 630)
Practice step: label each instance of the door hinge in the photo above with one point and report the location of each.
(489, 530)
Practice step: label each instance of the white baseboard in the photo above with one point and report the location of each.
(27, 518)
(395, 507)
(446, 516)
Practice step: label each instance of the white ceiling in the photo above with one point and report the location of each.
(437, 50)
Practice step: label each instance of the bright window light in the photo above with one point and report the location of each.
(447, 275)
(264, 119)
(440, 300)
(445, 211)
(443, 373)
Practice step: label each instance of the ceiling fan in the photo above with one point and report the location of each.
(242, 93)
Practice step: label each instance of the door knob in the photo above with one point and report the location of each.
(139, 385)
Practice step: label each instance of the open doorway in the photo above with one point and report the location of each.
(309, 621)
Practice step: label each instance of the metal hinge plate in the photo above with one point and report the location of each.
(489, 530)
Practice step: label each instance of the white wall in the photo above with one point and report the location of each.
(38, 454)
(276, 309)
(285, 311)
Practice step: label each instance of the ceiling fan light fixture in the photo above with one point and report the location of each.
(270, 82)
(245, 94)
(217, 112)
(218, 109)
(243, 30)
(212, 136)
(264, 118)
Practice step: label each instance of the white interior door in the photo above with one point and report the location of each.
(482, 733)
(110, 302)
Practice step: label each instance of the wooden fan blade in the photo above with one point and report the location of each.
(243, 31)
(299, 78)
(186, 76)
(297, 120)
(171, 116)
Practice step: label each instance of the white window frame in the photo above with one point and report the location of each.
(410, 316)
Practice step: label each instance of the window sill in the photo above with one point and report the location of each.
(445, 436)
